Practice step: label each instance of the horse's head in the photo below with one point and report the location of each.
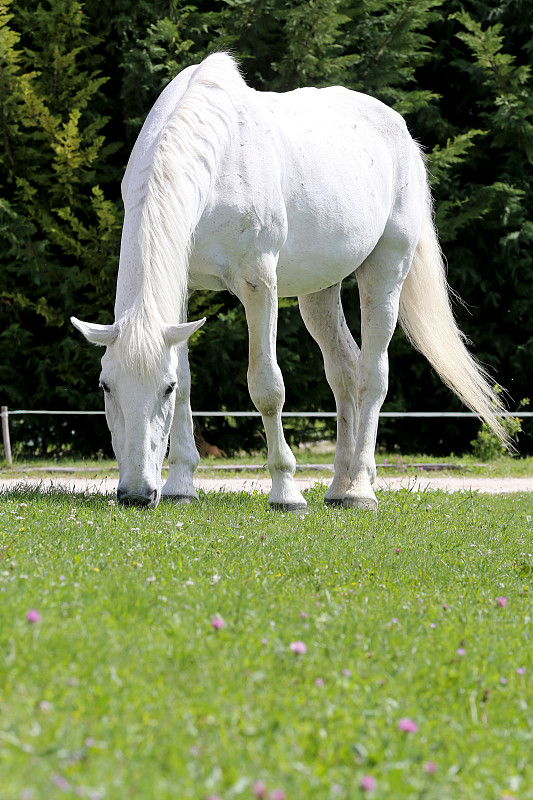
(139, 407)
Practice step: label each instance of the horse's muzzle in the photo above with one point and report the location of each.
(142, 500)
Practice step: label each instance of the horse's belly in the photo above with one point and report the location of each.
(313, 256)
(317, 256)
(296, 277)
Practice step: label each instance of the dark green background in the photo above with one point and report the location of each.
(76, 82)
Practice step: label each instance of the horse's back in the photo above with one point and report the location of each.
(333, 108)
(336, 139)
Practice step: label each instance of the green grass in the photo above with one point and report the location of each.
(124, 688)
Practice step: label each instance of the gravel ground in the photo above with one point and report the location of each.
(448, 484)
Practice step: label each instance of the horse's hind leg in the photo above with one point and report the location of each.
(324, 319)
(258, 294)
(380, 280)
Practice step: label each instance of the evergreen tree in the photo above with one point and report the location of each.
(478, 134)
(58, 233)
(76, 82)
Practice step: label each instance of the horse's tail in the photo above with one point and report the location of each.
(427, 318)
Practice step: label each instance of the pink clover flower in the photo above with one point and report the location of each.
(298, 647)
(407, 725)
(368, 783)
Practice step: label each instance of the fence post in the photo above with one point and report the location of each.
(5, 434)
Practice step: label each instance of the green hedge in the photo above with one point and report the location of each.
(76, 82)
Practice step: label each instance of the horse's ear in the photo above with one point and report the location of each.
(97, 334)
(180, 333)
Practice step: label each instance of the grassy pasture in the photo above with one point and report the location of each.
(159, 662)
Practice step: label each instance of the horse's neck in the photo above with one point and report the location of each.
(167, 183)
(130, 269)
(134, 186)
(131, 272)
(161, 112)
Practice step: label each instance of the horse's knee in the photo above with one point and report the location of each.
(267, 390)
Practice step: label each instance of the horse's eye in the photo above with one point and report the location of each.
(104, 386)
(170, 388)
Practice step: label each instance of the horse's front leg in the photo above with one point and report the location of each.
(183, 456)
(258, 293)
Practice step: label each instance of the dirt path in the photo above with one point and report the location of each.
(422, 483)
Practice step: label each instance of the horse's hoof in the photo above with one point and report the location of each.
(180, 499)
(360, 503)
(289, 508)
(333, 501)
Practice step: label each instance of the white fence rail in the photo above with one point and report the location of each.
(6, 413)
(393, 414)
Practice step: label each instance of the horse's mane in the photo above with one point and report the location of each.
(188, 148)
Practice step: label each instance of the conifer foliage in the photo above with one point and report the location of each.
(77, 80)
(59, 233)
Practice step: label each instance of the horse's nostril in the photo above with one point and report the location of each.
(141, 500)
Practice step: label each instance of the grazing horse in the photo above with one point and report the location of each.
(272, 195)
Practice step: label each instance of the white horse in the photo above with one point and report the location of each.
(272, 195)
